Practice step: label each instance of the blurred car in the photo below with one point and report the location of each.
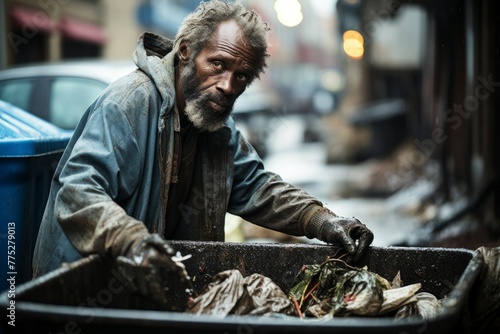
(61, 92)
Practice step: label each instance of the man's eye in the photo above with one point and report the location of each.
(243, 77)
(217, 64)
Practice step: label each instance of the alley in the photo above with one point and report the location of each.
(303, 164)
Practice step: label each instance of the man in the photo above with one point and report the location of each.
(157, 157)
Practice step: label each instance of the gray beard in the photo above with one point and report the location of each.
(197, 114)
(197, 108)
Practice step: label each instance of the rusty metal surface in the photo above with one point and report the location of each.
(88, 295)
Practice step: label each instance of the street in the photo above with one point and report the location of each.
(303, 164)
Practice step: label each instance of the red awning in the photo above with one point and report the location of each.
(83, 31)
(30, 19)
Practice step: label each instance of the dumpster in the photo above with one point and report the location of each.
(87, 296)
(29, 151)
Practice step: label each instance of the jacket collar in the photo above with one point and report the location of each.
(154, 56)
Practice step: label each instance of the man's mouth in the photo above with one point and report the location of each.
(218, 106)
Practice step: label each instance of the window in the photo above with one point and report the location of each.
(70, 97)
(75, 49)
(17, 92)
(398, 43)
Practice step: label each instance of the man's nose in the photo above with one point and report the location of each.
(225, 83)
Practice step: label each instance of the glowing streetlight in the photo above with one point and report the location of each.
(289, 12)
(353, 44)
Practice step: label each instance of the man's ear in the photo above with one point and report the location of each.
(184, 52)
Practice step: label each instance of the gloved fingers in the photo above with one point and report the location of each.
(128, 270)
(153, 286)
(164, 263)
(143, 279)
(354, 236)
(156, 241)
(346, 240)
(143, 282)
(163, 268)
(152, 270)
(133, 274)
(153, 253)
(363, 237)
(335, 231)
(149, 256)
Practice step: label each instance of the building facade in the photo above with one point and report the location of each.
(50, 30)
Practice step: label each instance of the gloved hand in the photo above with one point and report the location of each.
(150, 270)
(349, 233)
(354, 236)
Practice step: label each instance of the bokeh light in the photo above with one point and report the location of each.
(353, 44)
(289, 12)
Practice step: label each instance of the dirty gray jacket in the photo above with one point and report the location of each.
(112, 183)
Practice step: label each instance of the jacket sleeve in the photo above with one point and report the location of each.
(263, 198)
(100, 172)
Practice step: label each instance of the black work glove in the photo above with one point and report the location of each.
(349, 233)
(354, 236)
(150, 269)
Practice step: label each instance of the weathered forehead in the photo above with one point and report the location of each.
(228, 37)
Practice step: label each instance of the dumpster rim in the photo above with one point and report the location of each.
(170, 318)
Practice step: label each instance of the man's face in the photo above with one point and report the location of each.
(217, 76)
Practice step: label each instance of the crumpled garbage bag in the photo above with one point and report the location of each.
(336, 289)
(484, 298)
(231, 293)
(426, 306)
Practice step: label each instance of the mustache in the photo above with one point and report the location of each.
(220, 99)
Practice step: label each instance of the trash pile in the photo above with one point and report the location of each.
(330, 289)
(334, 288)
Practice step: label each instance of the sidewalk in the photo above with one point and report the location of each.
(306, 169)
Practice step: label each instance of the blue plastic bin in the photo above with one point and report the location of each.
(30, 149)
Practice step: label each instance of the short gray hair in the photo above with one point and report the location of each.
(199, 25)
